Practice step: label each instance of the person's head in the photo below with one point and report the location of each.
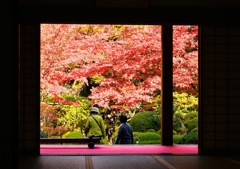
(96, 105)
(123, 118)
(95, 110)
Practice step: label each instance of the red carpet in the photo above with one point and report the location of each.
(117, 149)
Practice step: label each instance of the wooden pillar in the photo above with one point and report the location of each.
(167, 86)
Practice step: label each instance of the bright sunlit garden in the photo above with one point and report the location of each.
(117, 67)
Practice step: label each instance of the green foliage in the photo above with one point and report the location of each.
(149, 138)
(74, 116)
(190, 115)
(151, 130)
(178, 139)
(191, 137)
(96, 79)
(43, 134)
(104, 141)
(184, 103)
(73, 134)
(185, 108)
(136, 136)
(67, 117)
(159, 131)
(45, 96)
(136, 133)
(54, 137)
(154, 105)
(144, 121)
(191, 124)
(150, 142)
(185, 117)
(69, 97)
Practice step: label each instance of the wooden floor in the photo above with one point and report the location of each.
(129, 162)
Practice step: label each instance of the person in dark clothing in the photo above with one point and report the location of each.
(125, 132)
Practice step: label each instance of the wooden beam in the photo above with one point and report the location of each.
(167, 86)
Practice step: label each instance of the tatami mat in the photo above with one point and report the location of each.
(129, 162)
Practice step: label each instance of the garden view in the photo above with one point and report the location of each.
(117, 67)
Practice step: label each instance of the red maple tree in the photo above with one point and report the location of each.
(126, 58)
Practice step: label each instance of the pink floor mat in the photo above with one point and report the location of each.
(117, 149)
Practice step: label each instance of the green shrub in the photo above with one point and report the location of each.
(185, 108)
(43, 134)
(177, 139)
(190, 115)
(151, 130)
(149, 138)
(136, 137)
(150, 142)
(191, 137)
(174, 132)
(136, 133)
(104, 141)
(144, 121)
(73, 134)
(191, 124)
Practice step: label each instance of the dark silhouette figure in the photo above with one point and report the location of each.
(125, 132)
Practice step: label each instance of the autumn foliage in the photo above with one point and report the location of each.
(115, 65)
